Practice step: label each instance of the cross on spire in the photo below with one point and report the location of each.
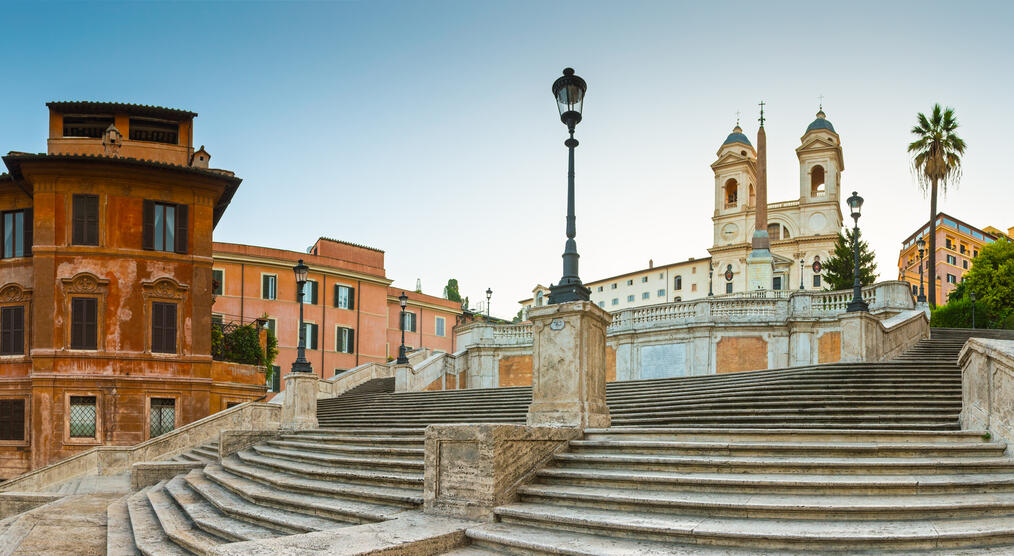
(737, 118)
(762, 113)
(820, 99)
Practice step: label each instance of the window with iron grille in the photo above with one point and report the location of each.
(162, 416)
(84, 323)
(12, 419)
(82, 416)
(12, 330)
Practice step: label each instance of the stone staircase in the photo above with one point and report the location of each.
(842, 457)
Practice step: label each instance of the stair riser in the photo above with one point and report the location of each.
(816, 452)
(374, 465)
(355, 451)
(723, 435)
(792, 468)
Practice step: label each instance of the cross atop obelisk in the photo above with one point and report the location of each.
(762, 113)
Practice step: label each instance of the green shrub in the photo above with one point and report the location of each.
(958, 314)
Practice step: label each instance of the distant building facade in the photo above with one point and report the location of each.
(105, 285)
(349, 309)
(957, 244)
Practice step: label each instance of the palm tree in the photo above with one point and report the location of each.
(936, 162)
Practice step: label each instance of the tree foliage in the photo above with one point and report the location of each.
(838, 269)
(451, 290)
(992, 279)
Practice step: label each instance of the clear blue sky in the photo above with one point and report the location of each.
(427, 129)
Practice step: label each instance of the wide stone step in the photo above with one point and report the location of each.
(149, 536)
(207, 518)
(405, 441)
(350, 511)
(940, 426)
(359, 430)
(234, 505)
(780, 435)
(801, 407)
(783, 418)
(396, 464)
(779, 483)
(794, 506)
(119, 536)
(768, 533)
(177, 526)
(852, 465)
(381, 488)
(356, 449)
(950, 449)
(512, 538)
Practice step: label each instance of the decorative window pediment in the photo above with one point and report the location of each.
(14, 293)
(86, 283)
(164, 288)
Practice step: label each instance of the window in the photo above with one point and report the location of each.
(644, 279)
(616, 301)
(600, 288)
(311, 335)
(272, 325)
(613, 286)
(816, 280)
(163, 327)
(217, 282)
(162, 416)
(85, 229)
(82, 416)
(12, 331)
(408, 325)
(951, 259)
(964, 264)
(949, 244)
(661, 293)
(646, 295)
(817, 186)
(952, 279)
(157, 131)
(630, 282)
(677, 283)
(915, 289)
(731, 193)
(975, 254)
(602, 304)
(440, 324)
(774, 231)
(339, 371)
(693, 287)
(269, 286)
(538, 299)
(86, 126)
(165, 227)
(345, 340)
(728, 287)
(661, 276)
(309, 292)
(677, 299)
(275, 381)
(776, 283)
(84, 323)
(344, 297)
(12, 419)
(630, 299)
(17, 230)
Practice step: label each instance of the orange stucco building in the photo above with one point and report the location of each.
(958, 243)
(350, 310)
(105, 285)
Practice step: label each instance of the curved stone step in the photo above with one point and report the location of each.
(407, 465)
(207, 518)
(867, 449)
(119, 536)
(149, 537)
(352, 449)
(177, 526)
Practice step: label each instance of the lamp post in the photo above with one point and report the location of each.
(711, 273)
(922, 290)
(402, 358)
(857, 304)
(489, 294)
(301, 365)
(569, 92)
(972, 295)
(802, 263)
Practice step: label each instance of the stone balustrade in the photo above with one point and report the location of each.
(987, 386)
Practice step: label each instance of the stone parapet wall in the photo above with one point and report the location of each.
(987, 386)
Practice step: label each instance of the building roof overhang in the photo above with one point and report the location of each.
(90, 107)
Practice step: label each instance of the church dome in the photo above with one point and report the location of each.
(737, 137)
(820, 123)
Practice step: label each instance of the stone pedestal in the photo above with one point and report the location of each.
(299, 406)
(569, 365)
(759, 270)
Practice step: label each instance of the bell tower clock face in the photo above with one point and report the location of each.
(729, 232)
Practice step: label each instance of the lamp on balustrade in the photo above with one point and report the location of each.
(855, 203)
(301, 365)
(972, 295)
(922, 290)
(402, 358)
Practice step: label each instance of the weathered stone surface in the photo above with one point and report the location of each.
(987, 378)
(299, 408)
(230, 442)
(569, 374)
(149, 473)
(735, 354)
(411, 534)
(13, 503)
(471, 469)
(864, 337)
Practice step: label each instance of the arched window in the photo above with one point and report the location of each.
(678, 282)
(538, 299)
(753, 196)
(774, 231)
(731, 191)
(817, 186)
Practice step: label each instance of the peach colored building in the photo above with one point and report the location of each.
(349, 309)
(957, 244)
(105, 285)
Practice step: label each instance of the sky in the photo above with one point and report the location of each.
(428, 129)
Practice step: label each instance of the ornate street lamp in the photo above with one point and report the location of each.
(802, 263)
(402, 358)
(711, 274)
(972, 295)
(569, 93)
(922, 290)
(301, 365)
(489, 294)
(857, 304)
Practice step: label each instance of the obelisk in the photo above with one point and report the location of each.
(760, 263)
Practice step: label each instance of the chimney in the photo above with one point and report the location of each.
(200, 159)
(651, 263)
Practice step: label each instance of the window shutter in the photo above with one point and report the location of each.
(352, 341)
(92, 220)
(169, 328)
(352, 298)
(76, 323)
(156, 327)
(148, 226)
(17, 420)
(78, 219)
(336, 295)
(17, 330)
(313, 293)
(182, 224)
(264, 287)
(92, 324)
(27, 232)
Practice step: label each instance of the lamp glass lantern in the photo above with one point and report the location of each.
(856, 204)
(569, 91)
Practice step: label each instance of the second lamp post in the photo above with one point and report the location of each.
(857, 304)
(922, 290)
(301, 365)
(402, 357)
